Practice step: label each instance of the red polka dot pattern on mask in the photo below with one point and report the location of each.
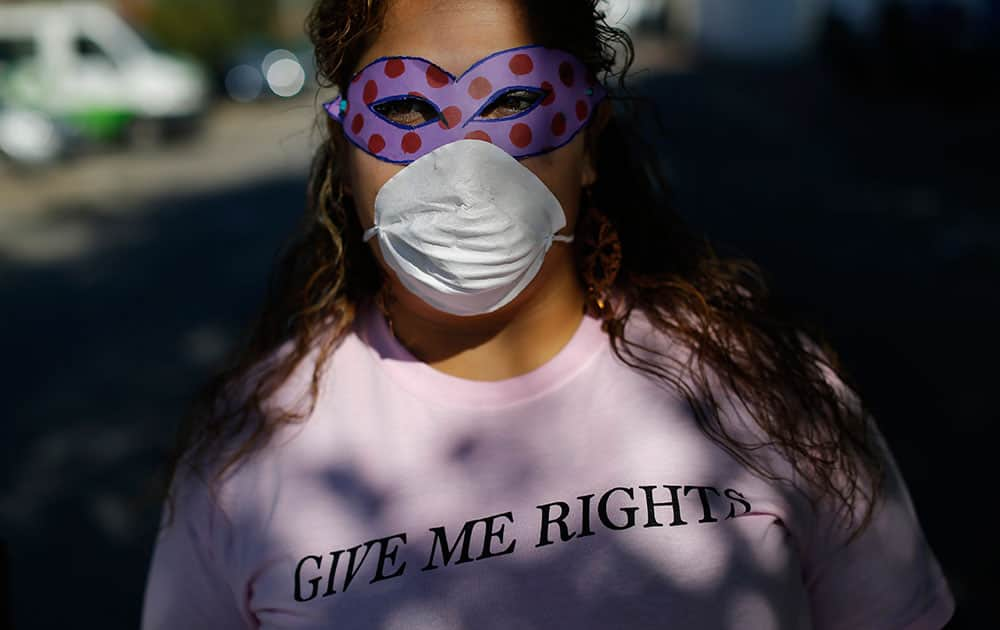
(449, 104)
(559, 124)
(411, 143)
(370, 93)
(480, 87)
(478, 135)
(451, 117)
(436, 77)
(550, 93)
(521, 64)
(376, 143)
(520, 135)
(394, 68)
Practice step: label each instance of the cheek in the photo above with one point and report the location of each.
(367, 175)
(561, 170)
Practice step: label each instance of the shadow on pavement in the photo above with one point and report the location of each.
(109, 347)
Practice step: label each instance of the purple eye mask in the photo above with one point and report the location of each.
(567, 96)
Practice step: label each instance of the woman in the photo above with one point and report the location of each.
(498, 384)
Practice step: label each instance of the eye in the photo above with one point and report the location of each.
(408, 111)
(511, 103)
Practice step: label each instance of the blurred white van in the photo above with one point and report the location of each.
(81, 63)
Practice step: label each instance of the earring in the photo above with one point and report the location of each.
(599, 257)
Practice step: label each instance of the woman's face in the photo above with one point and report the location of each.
(454, 35)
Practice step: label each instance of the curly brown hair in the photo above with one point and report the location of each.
(782, 371)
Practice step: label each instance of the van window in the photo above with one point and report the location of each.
(89, 49)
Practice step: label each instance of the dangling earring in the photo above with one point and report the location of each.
(599, 256)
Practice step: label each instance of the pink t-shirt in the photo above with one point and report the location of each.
(579, 495)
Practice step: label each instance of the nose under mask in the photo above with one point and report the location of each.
(466, 227)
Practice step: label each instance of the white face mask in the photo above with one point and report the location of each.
(466, 227)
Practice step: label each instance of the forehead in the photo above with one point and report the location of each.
(453, 34)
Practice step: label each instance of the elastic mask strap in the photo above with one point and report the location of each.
(560, 237)
(370, 232)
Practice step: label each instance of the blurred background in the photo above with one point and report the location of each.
(153, 159)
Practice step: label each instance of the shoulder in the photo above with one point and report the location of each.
(256, 415)
(647, 339)
(288, 380)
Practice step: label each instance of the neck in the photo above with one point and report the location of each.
(514, 340)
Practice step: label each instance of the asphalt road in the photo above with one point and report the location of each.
(124, 278)
(238, 144)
